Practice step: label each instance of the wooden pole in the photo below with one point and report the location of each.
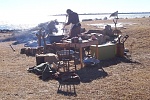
(12, 47)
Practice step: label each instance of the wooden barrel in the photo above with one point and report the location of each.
(28, 53)
(23, 51)
(40, 50)
(33, 51)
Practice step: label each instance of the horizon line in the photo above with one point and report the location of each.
(104, 13)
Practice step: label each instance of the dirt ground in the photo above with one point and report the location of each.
(124, 79)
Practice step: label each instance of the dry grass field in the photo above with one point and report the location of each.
(126, 79)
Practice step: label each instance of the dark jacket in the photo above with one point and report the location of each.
(74, 19)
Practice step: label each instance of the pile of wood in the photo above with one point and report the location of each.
(32, 51)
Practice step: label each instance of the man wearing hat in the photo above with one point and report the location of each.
(73, 19)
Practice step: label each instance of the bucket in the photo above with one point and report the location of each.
(120, 50)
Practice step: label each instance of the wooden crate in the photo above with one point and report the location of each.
(49, 57)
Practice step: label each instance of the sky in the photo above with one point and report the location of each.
(34, 11)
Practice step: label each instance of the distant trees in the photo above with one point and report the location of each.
(5, 30)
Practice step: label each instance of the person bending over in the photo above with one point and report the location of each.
(73, 19)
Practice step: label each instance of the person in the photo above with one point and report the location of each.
(51, 27)
(73, 19)
(39, 36)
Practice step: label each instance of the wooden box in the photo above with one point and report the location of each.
(49, 57)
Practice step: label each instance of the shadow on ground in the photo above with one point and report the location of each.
(117, 60)
(90, 73)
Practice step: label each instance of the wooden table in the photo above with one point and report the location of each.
(84, 43)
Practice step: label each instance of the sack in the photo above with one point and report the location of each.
(90, 61)
(37, 69)
(47, 73)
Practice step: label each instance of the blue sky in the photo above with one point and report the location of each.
(34, 10)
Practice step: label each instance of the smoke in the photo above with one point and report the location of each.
(27, 37)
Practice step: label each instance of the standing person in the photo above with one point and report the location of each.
(39, 36)
(73, 19)
(51, 27)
